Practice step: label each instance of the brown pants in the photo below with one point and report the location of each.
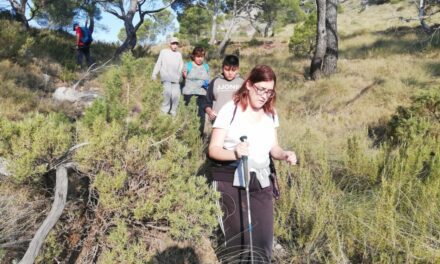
(236, 226)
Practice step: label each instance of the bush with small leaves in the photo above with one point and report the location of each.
(143, 164)
(420, 119)
(35, 144)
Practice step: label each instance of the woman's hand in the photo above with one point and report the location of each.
(290, 157)
(242, 149)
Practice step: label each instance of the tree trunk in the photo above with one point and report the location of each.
(331, 54)
(20, 11)
(428, 30)
(321, 42)
(213, 40)
(222, 46)
(267, 28)
(130, 40)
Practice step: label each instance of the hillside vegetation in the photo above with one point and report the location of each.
(367, 188)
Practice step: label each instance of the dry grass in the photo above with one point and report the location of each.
(381, 66)
(21, 210)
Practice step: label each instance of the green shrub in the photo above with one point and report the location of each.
(12, 38)
(375, 205)
(34, 145)
(121, 248)
(51, 249)
(360, 166)
(303, 39)
(307, 213)
(420, 119)
(143, 165)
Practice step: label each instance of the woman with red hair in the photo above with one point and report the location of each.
(251, 113)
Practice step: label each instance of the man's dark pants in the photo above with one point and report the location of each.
(200, 101)
(83, 51)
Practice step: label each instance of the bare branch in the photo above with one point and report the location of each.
(89, 71)
(15, 244)
(143, 13)
(114, 12)
(160, 228)
(33, 12)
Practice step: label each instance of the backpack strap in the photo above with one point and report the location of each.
(189, 66)
(233, 115)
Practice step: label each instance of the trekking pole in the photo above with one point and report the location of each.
(247, 181)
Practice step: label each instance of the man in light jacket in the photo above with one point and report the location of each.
(169, 65)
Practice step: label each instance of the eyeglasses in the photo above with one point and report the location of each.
(264, 91)
(174, 43)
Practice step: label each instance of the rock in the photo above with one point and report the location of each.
(278, 250)
(63, 94)
(3, 170)
(46, 80)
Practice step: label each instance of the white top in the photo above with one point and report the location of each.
(169, 65)
(260, 136)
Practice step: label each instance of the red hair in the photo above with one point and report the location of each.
(260, 73)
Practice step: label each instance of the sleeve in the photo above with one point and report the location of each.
(276, 121)
(210, 94)
(224, 116)
(157, 67)
(183, 72)
(180, 62)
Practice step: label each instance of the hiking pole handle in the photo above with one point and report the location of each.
(244, 158)
(247, 181)
(244, 139)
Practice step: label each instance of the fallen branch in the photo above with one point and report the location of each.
(66, 156)
(50, 221)
(57, 207)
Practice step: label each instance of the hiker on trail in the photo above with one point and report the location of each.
(169, 65)
(83, 41)
(196, 75)
(251, 113)
(222, 88)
